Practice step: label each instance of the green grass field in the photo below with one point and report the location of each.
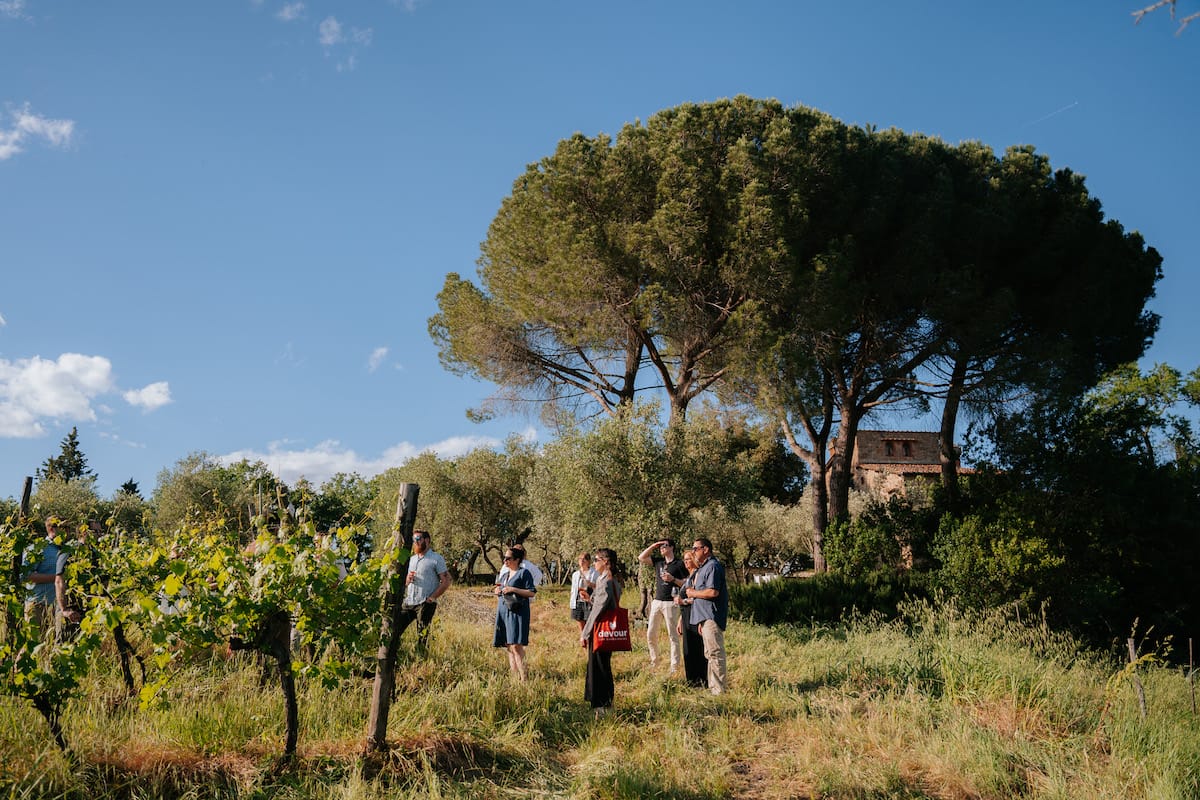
(934, 706)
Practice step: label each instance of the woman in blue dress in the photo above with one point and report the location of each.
(513, 591)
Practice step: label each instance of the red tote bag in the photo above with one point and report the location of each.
(611, 632)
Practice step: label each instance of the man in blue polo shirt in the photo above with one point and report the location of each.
(710, 610)
(46, 605)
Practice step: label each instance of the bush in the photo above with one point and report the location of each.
(885, 535)
(988, 563)
(826, 598)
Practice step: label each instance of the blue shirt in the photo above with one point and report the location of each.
(54, 561)
(710, 575)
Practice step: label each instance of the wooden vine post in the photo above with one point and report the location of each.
(1137, 682)
(1192, 674)
(16, 566)
(393, 597)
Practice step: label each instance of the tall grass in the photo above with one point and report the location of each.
(934, 704)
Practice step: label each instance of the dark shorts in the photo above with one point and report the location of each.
(580, 611)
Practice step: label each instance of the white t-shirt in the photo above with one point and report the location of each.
(427, 570)
(577, 580)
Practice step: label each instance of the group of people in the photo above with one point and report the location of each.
(691, 602)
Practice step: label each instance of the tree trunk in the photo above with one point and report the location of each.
(483, 551)
(49, 712)
(389, 638)
(841, 466)
(820, 512)
(949, 456)
(127, 655)
(817, 467)
(273, 639)
(471, 559)
(279, 637)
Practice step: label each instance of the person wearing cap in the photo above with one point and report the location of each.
(669, 572)
(427, 580)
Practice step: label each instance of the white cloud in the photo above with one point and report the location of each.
(27, 125)
(332, 34)
(320, 463)
(3, 321)
(33, 389)
(290, 12)
(374, 362)
(12, 8)
(330, 31)
(150, 397)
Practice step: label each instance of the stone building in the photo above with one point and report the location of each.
(886, 463)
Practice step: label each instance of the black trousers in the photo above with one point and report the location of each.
(695, 665)
(599, 688)
(422, 615)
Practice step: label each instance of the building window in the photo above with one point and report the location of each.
(889, 448)
(907, 449)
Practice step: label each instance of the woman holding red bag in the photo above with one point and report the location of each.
(599, 688)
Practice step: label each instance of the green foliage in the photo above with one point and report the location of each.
(473, 505)
(127, 513)
(341, 500)
(891, 534)
(35, 663)
(613, 258)
(1079, 484)
(826, 598)
(626, 481)
(1152, 408)
(69, 464)
(73, 500)
(199, 486)
(763, 536)
(856, 547)
(988, 563)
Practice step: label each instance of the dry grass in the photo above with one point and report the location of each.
(944, 707)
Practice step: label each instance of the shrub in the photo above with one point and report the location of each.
(826, 598)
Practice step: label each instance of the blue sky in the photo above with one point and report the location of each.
(223, 225)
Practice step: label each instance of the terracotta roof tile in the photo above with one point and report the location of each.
(911, 469)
